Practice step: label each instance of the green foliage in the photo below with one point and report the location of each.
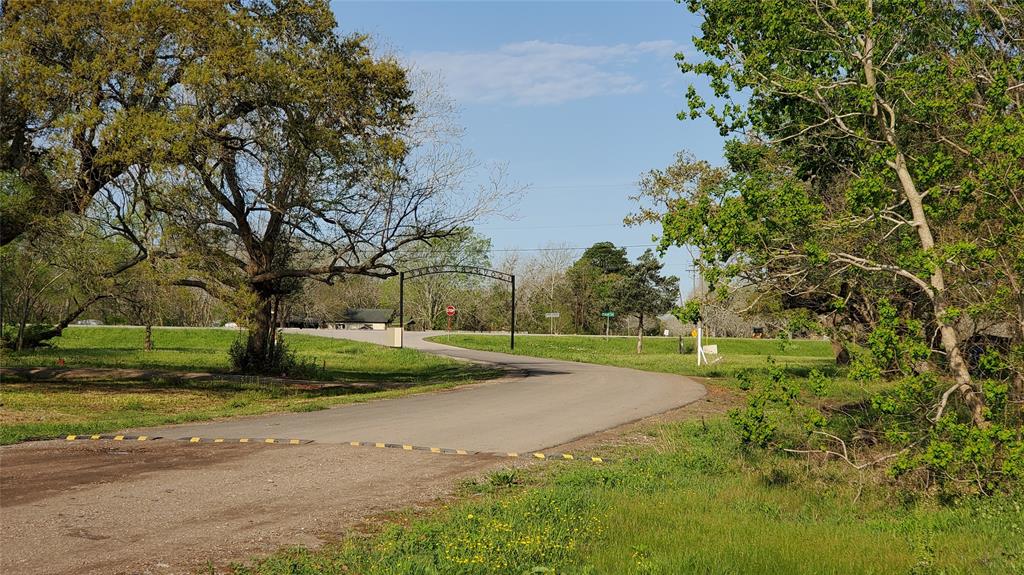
(879, 192)
(752, 423)
(896, 345)
(951, 455)
(643, 291)
(606, 257)
(34, 336)
(962, 458)
(771, 402)
(820, 384)
(689, 312)
(280, 359)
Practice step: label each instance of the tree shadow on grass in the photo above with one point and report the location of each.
(346, 382)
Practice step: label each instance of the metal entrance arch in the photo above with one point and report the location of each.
(429, 270)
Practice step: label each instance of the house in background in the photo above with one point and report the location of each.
(363, 318)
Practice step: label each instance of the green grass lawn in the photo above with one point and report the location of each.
(39, 410)
(205, 349)
(660, 353)
(691, 500)
(687, 499)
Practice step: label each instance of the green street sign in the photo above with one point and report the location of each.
(608, 314)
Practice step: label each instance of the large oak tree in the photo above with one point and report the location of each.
(272, 149)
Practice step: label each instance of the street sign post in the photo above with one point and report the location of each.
(552, 315)
(608, 315)
(450, 310)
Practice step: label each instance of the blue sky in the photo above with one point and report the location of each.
(578, 98)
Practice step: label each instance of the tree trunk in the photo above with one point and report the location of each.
(22, 322)
(258, 345)
(640, 335)
(839, 352)
(950, 338)
(58, 329)
(147, 342)
(948, 333)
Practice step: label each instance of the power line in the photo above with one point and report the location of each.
(557, 249)
(582, 186)
(554, 227)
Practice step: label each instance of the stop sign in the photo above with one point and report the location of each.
(451, 310)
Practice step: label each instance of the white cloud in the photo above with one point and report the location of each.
(537, 72)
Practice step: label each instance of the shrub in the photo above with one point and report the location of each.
(35, 335)
(819, 383)
(281, 360)
(771, 408)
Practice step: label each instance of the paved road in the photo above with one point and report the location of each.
(556, 402)
(168, 508)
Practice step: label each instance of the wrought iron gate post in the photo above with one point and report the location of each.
(453, 269)
(512, 334)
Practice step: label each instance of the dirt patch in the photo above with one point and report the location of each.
(171, 508)
(34, 472)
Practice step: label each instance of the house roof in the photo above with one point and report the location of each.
(368, 315)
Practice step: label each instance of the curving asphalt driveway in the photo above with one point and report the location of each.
(554, 402)
(171, 508)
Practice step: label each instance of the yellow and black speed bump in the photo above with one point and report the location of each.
(448, 451)
(270, 440)
(97, 437)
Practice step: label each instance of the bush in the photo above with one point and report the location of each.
(771, 408)
(281, 360)
(35, 335)
(952, 456)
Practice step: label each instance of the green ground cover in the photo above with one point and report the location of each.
(39, 410)
(691, 500)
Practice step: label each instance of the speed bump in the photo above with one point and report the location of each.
(97, 437)
(448, 451)
(376, 444)
(271, 440)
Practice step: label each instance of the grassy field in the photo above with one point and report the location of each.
(205, 349)
(660, 353)
(691, 500)
(38, 410)
(687, 498)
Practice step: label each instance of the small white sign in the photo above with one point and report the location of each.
(711, 349)
(552, 314)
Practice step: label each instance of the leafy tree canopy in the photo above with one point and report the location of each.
(606, 257)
